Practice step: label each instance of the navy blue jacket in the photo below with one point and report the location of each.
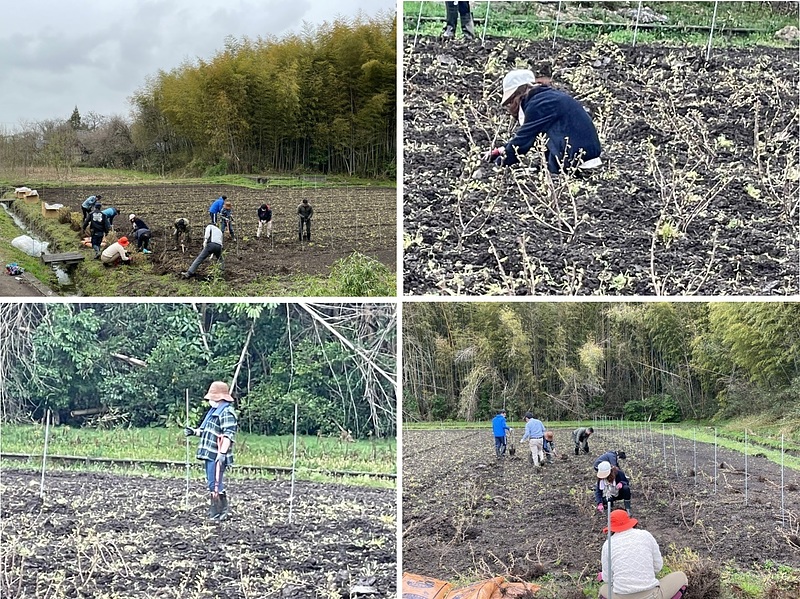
(97, 222)
(561, 118)
(619, 478)
(265, 214)
(609, 456)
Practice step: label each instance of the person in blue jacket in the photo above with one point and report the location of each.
(612, 485)
(88, 204)
(110, 213)
(611, 457)
(499, 429)
(215, 208)
(571, 138)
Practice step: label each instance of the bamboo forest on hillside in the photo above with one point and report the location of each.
(665, 362)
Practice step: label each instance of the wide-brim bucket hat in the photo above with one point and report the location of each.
(603, 469)
(513, 80)
(218, 391)
(621, 521)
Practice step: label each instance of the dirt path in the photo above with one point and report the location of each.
(466, 514)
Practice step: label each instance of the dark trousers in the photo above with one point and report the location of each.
(307, 222)
(211, 249)
(214, 216)
(500, 445)
(97, 240)
(86, 212)
(624, 495)
(143, 239)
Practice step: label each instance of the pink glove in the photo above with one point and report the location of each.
(599, 507)
(619, 485)
(493, 155)
(599, 577)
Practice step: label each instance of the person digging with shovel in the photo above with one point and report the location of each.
(499, 429)
(216, 445)
(635, 561)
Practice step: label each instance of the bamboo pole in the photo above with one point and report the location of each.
(186, 496)
(47, 418)
(294, 466)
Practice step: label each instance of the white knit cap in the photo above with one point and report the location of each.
(513, 80)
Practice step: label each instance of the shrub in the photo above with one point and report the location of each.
(360, 276)
(658, 408)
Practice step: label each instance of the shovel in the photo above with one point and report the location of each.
(215, 496)
(511, 449)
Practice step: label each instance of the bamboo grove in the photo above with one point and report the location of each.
(323, 100)
(659, 361)
(131, 364)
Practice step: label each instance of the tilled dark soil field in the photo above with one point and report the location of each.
(103, 535)
(466, 514)
(698, 193)
(345, 220)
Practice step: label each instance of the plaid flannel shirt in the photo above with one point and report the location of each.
(222, 424)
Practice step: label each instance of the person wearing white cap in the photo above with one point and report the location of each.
(453, 10)
(571, 138)
(612, 485)
(216, 444)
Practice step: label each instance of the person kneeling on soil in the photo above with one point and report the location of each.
(580, 436)
(611, 457)
(212, 246)
(499, 429)
(534, 432)
(549, 446)
(572, 142)
(635, 561)
(115, 253)
(216, 445)
(142, 233)
(612, 485)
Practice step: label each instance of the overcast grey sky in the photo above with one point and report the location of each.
(56, 54)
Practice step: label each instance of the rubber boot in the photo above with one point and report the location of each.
(468, 26)
(223, 514)
(627, 503)
(451, 20)
(212, 510)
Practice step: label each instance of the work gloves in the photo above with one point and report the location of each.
(220, 457)
(191, 432)
(495, 155)
(619, 485)
(599, 507)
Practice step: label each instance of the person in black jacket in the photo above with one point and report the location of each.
(98, 227)
(305, 211)
(452, 12)
(264, 218)
(612, 485)
(142, 233)
(572, 143)
(182, 232)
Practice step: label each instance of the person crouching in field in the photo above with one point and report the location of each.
(115, 253)
(580, 437)
(141, 232)
(549, 447)
(571, 138)
(612, 457)
(635, 561)
(181, 232)
(534, 433)
(264, 218)
(612, 485)
(216, 208)
(216, 434)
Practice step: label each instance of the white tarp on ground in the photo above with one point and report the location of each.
(29, 245)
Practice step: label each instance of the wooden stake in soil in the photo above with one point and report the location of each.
(186, 496)
(294, 463)
(44, 453)
(711, 33)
